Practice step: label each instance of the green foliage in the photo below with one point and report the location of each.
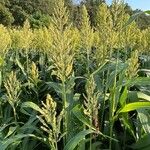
(38, 20)
(6, 17)
(68, 86)
(19, 15)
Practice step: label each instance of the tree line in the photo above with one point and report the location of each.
(39, 12)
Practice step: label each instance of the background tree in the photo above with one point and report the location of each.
(92, 6)
(39, 12)
(143, 20)
(6, 17)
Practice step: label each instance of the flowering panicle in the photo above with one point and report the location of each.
(133, 65)
(63, 44)
(22, 38)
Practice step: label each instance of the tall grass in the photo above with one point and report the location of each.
(68, 87)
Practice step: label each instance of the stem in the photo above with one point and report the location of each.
(124, 138)
(103, 102)
(88, 63)
(27, 59)
(111, 134)
(56, 147)
(91, 136)
(113, 105)
(88, 76)
(65, 105)
(15, 114)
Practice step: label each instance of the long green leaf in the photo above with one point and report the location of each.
(123, 97)
(56, 86)
(21, 67)
(11, 131)
(30, 105)
(144, 116)
(127, 123)
(132, 18)
(138, 81)
(134, 106)
(5, 143)
(77, 111)
(71, 145)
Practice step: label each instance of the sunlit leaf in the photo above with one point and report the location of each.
(134, 106)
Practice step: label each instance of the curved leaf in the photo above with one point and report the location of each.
(144, 117)
(77, 111)
(14, 139)
(134, 106)
(137, 81)
(71, 145)
(30, 105)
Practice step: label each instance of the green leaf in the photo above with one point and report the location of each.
(134, 106)
(101, 69)
(1, 61)
(0, 78)
(132, 18)
(123, 97)
(21, 67)
(71, 145)
(11, 131)
(78, 112)
(70, 84)
(30, 105)
(137, 81)
(143, 96)
(14, 139)
(143, 143)
(144, 116)
(127, 123)
(56, 86)
(135, 96)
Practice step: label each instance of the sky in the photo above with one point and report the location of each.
(135, 4)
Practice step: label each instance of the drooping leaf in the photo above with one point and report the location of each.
(137, 81)
(14, 139)
(131, 19)
(30, 105)
(134, 96)
(56, 86)
(21, 67)
(78, 112)
(71, 145)
(128, 124)
(11, 131)
(144, 116)
(135, 106)
(143, 96)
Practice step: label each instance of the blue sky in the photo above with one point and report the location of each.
(135, 4)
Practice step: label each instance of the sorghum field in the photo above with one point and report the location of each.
(68, 87)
